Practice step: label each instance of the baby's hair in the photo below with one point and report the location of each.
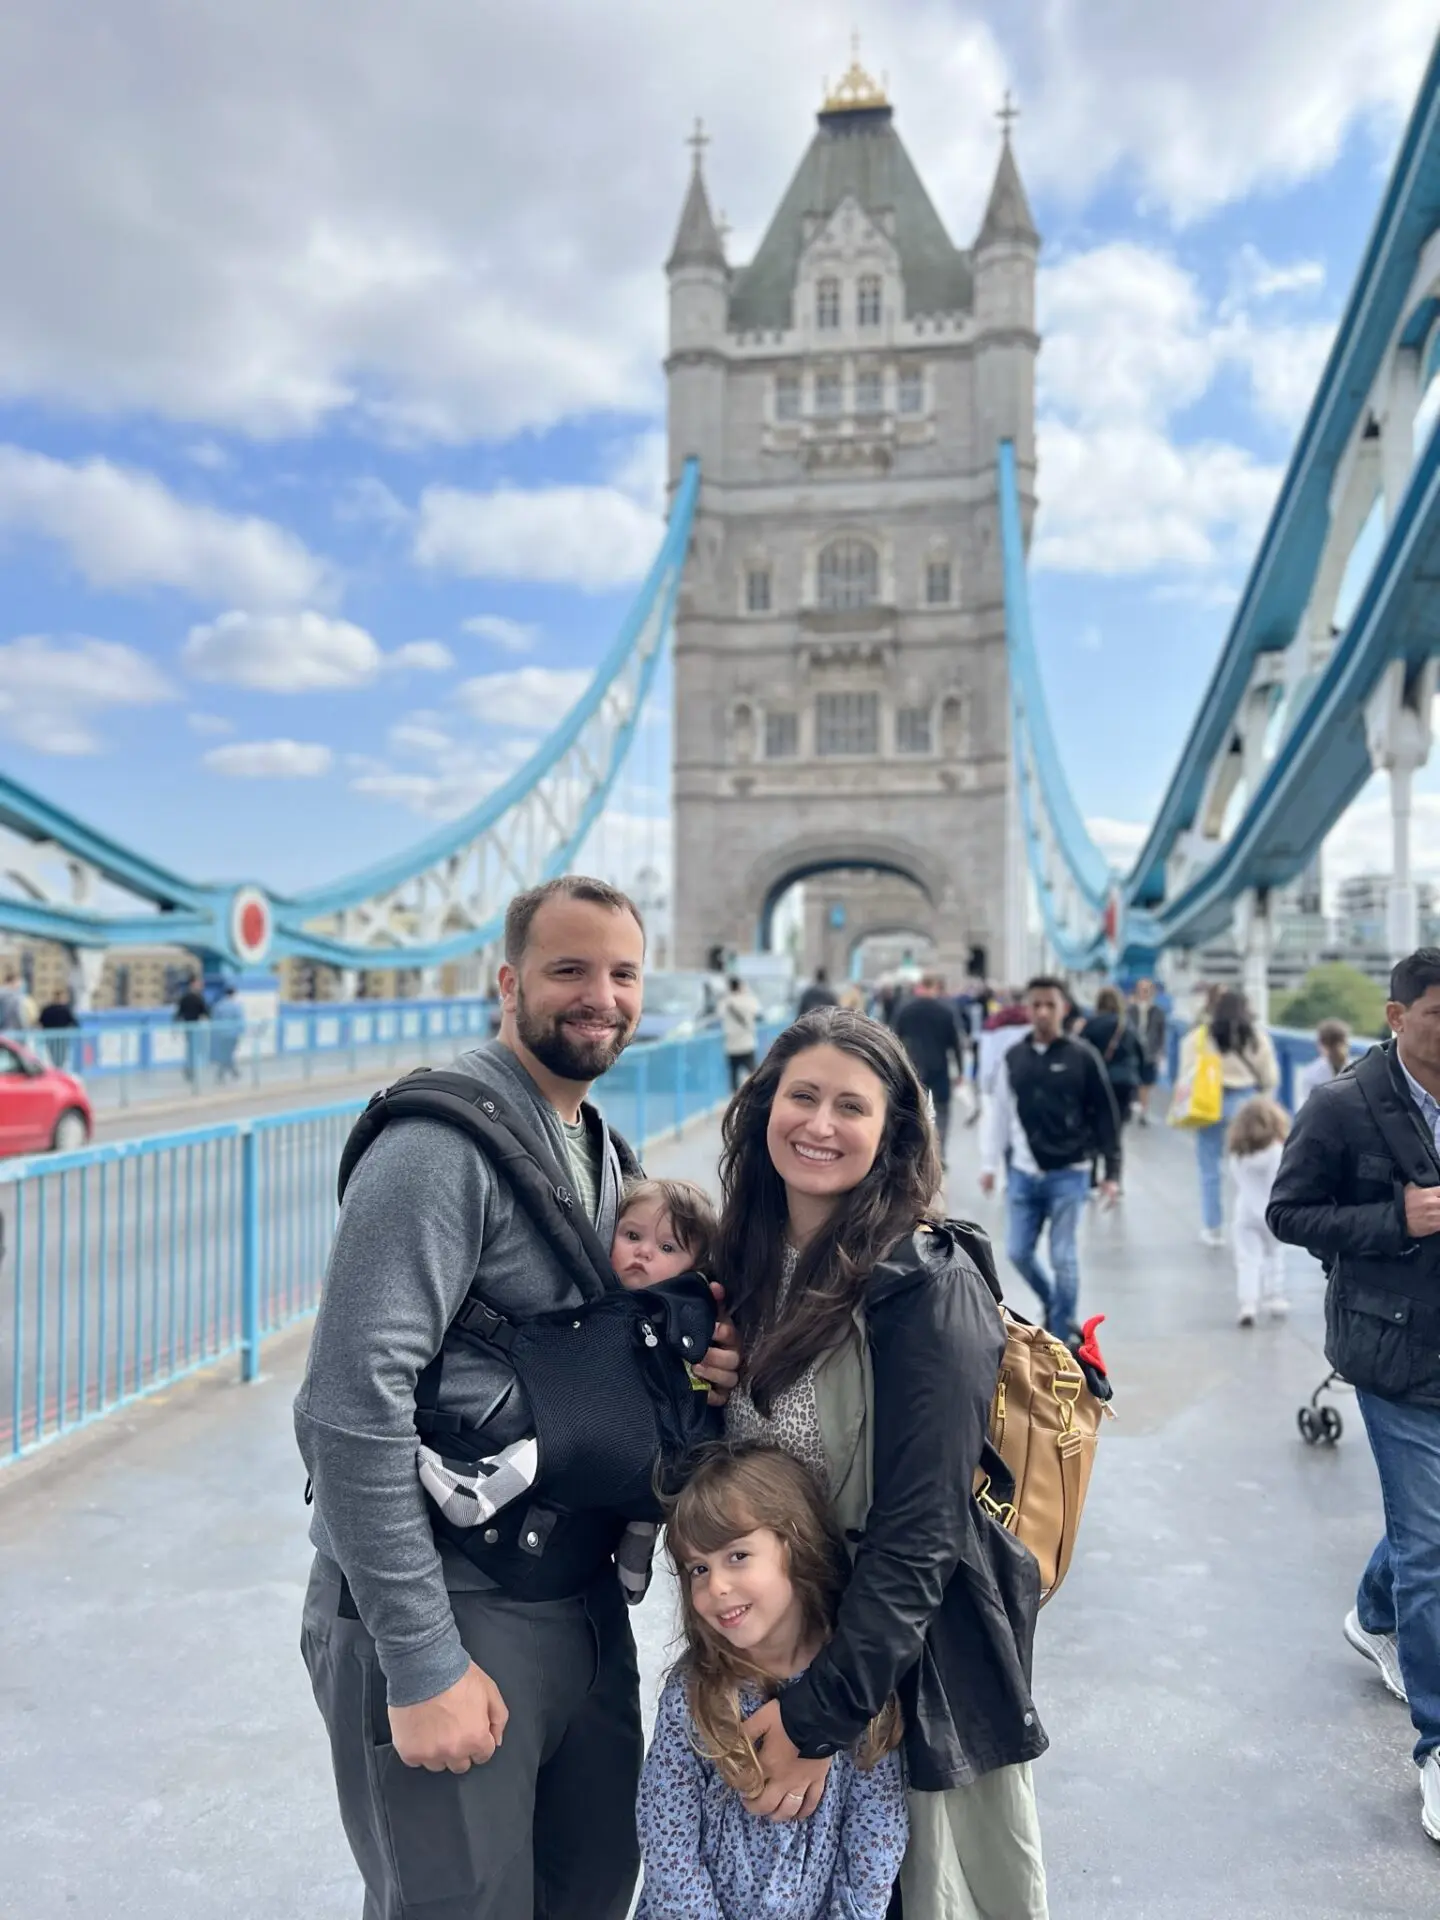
(731, 1491)
(691, 1210)
(1258, 1124)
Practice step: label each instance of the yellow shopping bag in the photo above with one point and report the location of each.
(1199, 1091)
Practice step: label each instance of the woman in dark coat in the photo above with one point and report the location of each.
(1117, 1041)
(873, 1345)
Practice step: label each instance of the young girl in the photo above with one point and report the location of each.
(761, 1567)
(1256, 1142)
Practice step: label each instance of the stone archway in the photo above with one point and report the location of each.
(806, 858)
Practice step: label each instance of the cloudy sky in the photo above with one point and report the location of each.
(330, 365)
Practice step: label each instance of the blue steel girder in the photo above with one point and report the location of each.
(1324, 760)
(560, 792)
(1283, 573)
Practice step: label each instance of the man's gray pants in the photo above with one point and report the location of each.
(546, 1829)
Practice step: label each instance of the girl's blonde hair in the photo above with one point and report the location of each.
(691, 1212)
(732, 1491)
(1258, 1124)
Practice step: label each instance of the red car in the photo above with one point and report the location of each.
(40, 1107)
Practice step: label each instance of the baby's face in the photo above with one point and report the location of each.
(645, 1249)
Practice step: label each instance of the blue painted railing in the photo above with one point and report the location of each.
(126, 1267)
(114, 1045)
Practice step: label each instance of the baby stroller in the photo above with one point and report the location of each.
(1321, 1426)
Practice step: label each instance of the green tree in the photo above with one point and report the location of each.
(1334, 992)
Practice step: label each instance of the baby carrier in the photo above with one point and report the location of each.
(603, 1385)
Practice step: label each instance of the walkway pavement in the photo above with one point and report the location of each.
(1217, 1749)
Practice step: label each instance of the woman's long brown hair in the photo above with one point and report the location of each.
(890, 1202)
(731, 1492)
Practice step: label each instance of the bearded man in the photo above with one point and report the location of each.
(486, 1747)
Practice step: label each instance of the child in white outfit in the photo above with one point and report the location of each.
(1256, 1142)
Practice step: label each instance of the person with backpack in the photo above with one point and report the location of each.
(1051, 1116)
(1359, 1189)
(1117, 1041)
(928, 1029)
(481, 1693)
(873, 1343)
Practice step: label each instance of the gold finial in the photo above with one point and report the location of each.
(698, 141)
(1008, 114)
(857, 89)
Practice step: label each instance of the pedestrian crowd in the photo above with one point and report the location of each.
(531, 1365)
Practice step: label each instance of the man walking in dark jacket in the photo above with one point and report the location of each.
(928, 1029)
(1050, 1115)
(1359, 1186)
(819, 993)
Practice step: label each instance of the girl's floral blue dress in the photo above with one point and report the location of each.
(706, 1857)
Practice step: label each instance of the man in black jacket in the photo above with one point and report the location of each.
(1052, 1112)
(928, 1029)
(1359, 1186)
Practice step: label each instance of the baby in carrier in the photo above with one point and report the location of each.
(666, 1228)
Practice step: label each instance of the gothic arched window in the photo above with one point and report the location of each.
(827, 302)
(867, 300)
(848, 574)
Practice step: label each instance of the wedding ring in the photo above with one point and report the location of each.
(794, 1796)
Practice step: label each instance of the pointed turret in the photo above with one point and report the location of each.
(697, 238)
(1007, 217)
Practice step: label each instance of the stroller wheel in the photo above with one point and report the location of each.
(1308, 1421)
(1331, 1425)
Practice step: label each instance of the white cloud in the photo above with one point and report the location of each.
(1253, 277)
(209, 723)
(124, 529)
(588, 537)
(295, 234)
(454, 775)
(367, 501)
(300, 653)
(1131, 344)
(511, 636)
(271, 760)
(1360, 842)
(281, 652)
(51, 692)
(1204, 105)
(1127, 500)
(640, 467)
(524, 697)
(1118, 840)
(420, 656)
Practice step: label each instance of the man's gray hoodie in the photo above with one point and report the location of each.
(424, 1214)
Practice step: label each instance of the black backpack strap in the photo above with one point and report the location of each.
(522, 1159)
(1379, 1076)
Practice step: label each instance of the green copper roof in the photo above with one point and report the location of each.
(855, 155)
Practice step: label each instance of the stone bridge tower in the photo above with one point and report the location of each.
(841, 694)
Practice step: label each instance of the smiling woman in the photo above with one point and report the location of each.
(873, 1346)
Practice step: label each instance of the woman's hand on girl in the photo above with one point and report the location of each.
(793, 1787)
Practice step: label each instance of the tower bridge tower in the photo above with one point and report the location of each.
(841, 693)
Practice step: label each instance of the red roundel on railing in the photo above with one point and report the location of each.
(250, 925)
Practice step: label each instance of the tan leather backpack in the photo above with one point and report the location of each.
(1044, 1423)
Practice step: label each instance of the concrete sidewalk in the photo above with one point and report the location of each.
(1217, 1749)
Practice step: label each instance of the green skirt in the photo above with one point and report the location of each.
(974, 1852)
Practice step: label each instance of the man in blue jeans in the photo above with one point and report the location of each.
(1051, 1115)
(1359, 1187)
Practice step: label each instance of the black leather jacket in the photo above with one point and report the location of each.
(941, 1605)
(1358, 1142)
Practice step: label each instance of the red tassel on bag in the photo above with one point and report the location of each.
(1088, 1351)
